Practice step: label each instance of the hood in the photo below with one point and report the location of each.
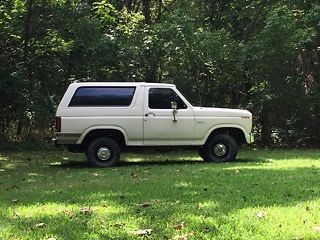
(221, 112)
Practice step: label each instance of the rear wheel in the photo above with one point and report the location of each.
(220, 148)
(103, 152)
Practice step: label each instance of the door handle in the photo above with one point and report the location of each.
(150, 113)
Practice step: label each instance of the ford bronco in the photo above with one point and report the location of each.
(101, 118)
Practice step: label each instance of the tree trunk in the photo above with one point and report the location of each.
(26, 55)
(266, 126)
(235, 98)
(147, 11)
(151, 69)
(160, 4)
(20, 126)
(27, 31)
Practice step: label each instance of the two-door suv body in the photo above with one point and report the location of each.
(101, 118)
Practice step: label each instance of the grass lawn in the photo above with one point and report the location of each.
(263, 195)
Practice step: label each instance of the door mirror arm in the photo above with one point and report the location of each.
(174, 110)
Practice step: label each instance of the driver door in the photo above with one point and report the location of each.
(159, 125)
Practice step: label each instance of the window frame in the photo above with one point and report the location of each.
(175, 92)
(104, 106)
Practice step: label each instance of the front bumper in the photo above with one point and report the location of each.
(249, 138)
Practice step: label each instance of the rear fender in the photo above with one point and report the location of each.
(83, 135)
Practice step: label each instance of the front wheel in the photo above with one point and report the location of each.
(220, 148)
(103, 152)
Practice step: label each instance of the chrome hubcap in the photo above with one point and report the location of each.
(220, 149)
(103, 153)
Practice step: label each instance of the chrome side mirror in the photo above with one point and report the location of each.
(174, 107)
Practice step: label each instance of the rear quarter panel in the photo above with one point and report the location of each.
(79, 120)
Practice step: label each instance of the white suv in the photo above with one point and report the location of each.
(100, 118)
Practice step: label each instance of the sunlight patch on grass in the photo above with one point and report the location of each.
(183, 184)
(38, 211)
(33, 174)
(3, 158)
(135, 159)
(295, 222)
(55, 163)
(280, 165)
(10, 166)
(188, 158)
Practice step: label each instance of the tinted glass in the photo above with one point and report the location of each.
(102, 96)
(161, 98)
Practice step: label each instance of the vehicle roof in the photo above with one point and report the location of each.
(95, 84)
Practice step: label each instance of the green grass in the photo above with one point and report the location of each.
(263, 195)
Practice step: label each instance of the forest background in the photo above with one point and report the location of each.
(262, 55)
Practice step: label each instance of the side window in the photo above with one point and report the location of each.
(161, 98)
(102, 96)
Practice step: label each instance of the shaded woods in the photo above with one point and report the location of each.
(262, 55)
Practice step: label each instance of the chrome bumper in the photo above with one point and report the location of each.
(249, 138)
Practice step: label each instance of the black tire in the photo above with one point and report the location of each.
(103, 152)
(220, 148)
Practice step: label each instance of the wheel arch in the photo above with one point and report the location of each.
(116, 133)
(234, 131)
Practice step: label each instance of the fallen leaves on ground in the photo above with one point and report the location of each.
(86, 210)
(261, 214)
(317, 229)
(15, 214)
(141, 232)
(200, 205)
(206, 230)
(176, 202)
(134, 175)
(40, 225)
(118, 225)
(69, 213)
(145, 205)
(179, 226)
(184, 236)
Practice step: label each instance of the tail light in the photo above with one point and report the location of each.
(58, 124)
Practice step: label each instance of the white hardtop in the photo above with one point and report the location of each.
(121, 84)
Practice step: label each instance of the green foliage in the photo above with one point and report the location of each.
(261, 55)
(104, 11)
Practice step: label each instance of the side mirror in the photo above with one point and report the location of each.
(174, 107)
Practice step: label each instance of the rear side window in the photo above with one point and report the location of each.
(102, 96)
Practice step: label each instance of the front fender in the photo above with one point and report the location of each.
(246, 134)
